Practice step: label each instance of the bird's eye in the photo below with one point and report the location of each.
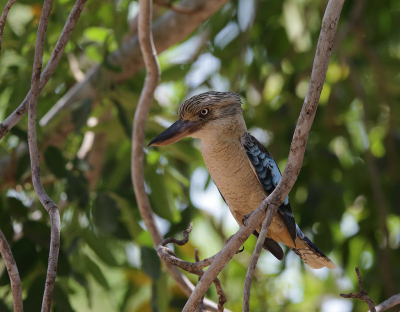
(204, 111)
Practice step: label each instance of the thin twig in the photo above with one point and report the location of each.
(12, 273)
(169, 256)
(46, 201)
(295, 159)
(387, 304)
(195, 268)
(196, 257)
(3, 19)
(139, 124)
(51, 66)
(254, 259)
(363, 295)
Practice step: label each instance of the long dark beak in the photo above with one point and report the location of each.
(175, 132)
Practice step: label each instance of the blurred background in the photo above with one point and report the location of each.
(346, 198)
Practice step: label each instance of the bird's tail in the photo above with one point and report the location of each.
(310, 253)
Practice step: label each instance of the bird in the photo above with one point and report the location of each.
(243, 170)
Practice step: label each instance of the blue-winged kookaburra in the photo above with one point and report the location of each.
(241, 167)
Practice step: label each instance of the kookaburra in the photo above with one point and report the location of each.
(241, 167)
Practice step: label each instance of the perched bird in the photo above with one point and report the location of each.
(243, 170)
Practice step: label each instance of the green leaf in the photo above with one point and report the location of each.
(126, 215)
(55, 162)
(38, 232)
(116, 69)
(151, 263)
(61, 300)
(96, 272)
(97, 245)
(123, 118)
(16, 208)
(23, 166)
(105, 214)
(33, 301)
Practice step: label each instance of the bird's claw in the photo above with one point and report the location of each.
(227, 241)
(246, 217)
(240, 250)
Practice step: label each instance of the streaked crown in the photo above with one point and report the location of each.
(210, 100)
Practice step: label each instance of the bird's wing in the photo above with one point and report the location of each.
(269, 243)
(269, 176)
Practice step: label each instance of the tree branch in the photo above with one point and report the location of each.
(169, 29)
(12, 273)
(363, 295)
(387, 304)
(46, 201)
(255, 257)
(51, 66)
(139, 126)
(295, 159)
(3, 19)
(170, 257)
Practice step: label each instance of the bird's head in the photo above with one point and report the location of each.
(205, 114)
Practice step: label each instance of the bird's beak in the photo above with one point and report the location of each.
(177, 131)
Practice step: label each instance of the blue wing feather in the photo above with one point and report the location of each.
(269, 176)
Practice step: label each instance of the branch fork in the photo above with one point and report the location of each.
(170, 257)
(362, 294)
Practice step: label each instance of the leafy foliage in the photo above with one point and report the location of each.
(344, 199)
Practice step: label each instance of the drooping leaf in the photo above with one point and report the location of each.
(55, 162)
(96, 272)
(96, 244)
(151, 263)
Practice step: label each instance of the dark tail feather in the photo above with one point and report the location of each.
(272, 246)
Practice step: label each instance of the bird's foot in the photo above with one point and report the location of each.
(246, 217)
(227, 241)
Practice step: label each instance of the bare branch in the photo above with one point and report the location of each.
(142, 111)
(139, 124)
(255, 257)
(363, 295)
(295, 159)
(168, 256)
(12, 273)
(195, 268)
(46, 201)
(51, 66)
(196, 257)
(387, 304)
(3, 19)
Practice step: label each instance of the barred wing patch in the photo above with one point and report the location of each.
(269, 176)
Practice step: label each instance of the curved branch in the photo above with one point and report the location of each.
(51, 66)
(295, 159)
(12, 273)
(46, 201)
(169, 256)
(3, 18)
(195, 268)
(139, 125)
